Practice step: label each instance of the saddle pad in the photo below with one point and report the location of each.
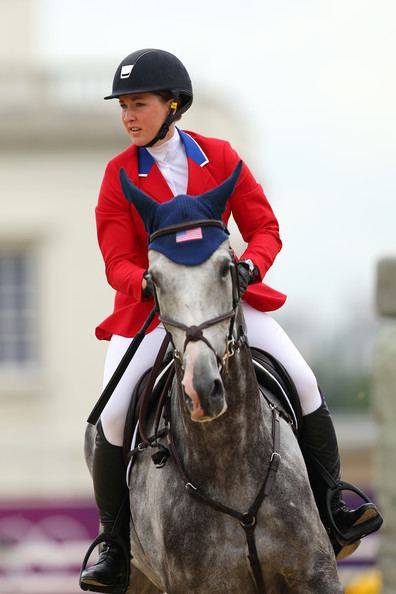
(277, 387)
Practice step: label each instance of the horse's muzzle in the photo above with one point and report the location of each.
(203, 387)
(207, 407)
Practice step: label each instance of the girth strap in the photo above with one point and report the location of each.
(247, 519)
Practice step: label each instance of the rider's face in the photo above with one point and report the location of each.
(142, 115)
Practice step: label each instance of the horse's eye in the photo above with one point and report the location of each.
(225, 268)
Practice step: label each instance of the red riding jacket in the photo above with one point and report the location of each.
(124, 242)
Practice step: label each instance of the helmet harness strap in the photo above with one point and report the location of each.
(163, 131)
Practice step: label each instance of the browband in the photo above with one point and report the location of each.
(188, 225)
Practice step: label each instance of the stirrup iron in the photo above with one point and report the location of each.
(355, 532)
(116, 541)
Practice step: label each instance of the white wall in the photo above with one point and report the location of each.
(49, 198)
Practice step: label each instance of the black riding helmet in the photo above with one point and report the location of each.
(152, 70)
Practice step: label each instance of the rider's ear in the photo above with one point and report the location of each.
(144, 204)
(217, 198)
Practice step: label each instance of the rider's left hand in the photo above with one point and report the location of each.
(147, 286)
(247, 274)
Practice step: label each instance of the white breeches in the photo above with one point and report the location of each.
(263, 332)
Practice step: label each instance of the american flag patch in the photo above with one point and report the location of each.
(189, 235)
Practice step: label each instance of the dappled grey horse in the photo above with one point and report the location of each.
(189, 534)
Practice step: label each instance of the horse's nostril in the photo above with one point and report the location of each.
(217, 390)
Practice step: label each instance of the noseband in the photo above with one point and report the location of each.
(195, 333)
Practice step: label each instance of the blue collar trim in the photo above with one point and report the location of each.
(145, 162)
(192, 148)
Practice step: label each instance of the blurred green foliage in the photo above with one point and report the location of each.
(345, 389)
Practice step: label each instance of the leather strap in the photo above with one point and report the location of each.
(246, 519)
(149, 388)
(188, 225)
(119, 372)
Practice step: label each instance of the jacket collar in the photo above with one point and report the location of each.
(192, 148)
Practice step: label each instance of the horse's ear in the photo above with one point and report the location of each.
(218, 197)
(143, 203)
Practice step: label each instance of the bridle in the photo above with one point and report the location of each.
(194, 333)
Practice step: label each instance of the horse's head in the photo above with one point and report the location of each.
(193, 273)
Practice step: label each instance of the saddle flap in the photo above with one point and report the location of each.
(277, 387)
(137, 398)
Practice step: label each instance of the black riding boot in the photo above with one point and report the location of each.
(111, 572)
(346, 527)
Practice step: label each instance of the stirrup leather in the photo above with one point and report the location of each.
(116, 541)
(357, 531)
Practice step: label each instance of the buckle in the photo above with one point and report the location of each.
(248, 520)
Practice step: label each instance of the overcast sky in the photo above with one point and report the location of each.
(312, 86)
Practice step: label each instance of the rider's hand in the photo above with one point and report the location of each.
(247, 274)
(147, 286)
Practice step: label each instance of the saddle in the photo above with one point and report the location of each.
(275, 385)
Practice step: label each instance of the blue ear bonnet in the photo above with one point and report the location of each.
(184, 247)
(192, 246)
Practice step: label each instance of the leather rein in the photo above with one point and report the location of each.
(247, 519)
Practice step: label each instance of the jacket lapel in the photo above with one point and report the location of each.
(150, 178)
(199, 177)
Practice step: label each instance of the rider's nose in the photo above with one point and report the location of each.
(128, 115)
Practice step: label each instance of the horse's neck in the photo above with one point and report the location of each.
(240, 438)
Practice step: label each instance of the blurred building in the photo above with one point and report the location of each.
(51, 285)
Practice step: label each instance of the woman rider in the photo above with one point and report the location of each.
(154, 90)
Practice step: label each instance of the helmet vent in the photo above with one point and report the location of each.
(126, 70)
